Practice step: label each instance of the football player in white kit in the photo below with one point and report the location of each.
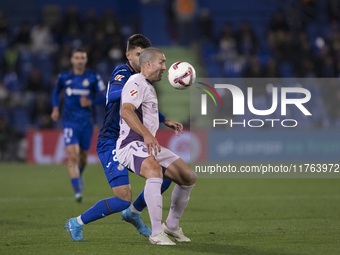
(139, 150)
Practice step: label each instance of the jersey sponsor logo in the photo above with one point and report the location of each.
(119, 77)
(68, 82)
(77, 92)
(133, 92)
(86, 83)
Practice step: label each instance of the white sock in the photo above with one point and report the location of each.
(179, 201)
(80, 221)
(154, 201)
(133, 209)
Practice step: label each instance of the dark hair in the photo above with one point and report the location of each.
(77, 50)
(137, 40)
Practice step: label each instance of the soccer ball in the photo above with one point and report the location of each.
(181, 75)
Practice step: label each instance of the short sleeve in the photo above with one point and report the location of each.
(133, 93)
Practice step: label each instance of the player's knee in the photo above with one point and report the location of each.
(191, 180)
(73, 157)
(154, 173)
(151, 169)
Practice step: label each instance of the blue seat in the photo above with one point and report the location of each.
(20, 119)
(286, 70)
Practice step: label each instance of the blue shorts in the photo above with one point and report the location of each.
(74, 134)
(116, 174)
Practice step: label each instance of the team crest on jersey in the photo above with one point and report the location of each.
(133, 92)
(86, 83)
(119, 77)
(120, 167)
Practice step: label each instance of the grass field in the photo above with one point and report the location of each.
(224, 216)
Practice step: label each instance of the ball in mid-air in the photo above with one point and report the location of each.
(181, 75)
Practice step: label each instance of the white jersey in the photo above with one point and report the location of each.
(140, 92)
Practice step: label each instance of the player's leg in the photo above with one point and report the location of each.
(72, 152)
(185, 179)
(71, 140)
(122, 199)
(84, 144)
(132, 214)
(139, 204)
(152, 171)
(135, 157)
(82, 164)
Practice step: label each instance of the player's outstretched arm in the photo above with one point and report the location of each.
(128, 114)
(178, 127)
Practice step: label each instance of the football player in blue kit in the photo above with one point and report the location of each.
(82, 89)
(117, 174)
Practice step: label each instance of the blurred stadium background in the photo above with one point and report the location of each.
(262, 38)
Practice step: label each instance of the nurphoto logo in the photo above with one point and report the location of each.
(239, 105)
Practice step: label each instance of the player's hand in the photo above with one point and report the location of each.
(152, 145)
(85, 102)
(178, 127)
(55, 114)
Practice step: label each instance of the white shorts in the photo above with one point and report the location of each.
(134, 153)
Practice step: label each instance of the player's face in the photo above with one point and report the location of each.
(79, 60)
(133, 57)
(158, 67)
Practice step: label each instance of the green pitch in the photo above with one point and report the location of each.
(224, 216)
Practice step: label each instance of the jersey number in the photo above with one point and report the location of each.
(68, 132)
(114, 155)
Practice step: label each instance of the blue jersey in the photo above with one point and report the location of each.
(110, 129)
(119, 76)
(88, 84)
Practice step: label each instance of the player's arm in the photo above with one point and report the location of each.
(56, 99)
(128, 114)
(116, 84)
(114, 93)
(178, 127)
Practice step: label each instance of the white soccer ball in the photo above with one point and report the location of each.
(181, 75)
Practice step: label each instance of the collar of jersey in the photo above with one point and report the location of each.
(133, 71)
(149, 81)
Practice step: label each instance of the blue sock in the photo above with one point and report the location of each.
(140, 204)
(165, 185)
(81, 170)
(103, 208)
(75, 185)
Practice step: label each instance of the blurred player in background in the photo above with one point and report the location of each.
(83, 88)
(117, 174)
(139, 150)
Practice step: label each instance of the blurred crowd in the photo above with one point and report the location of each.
(32, 55)
(296, 43)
